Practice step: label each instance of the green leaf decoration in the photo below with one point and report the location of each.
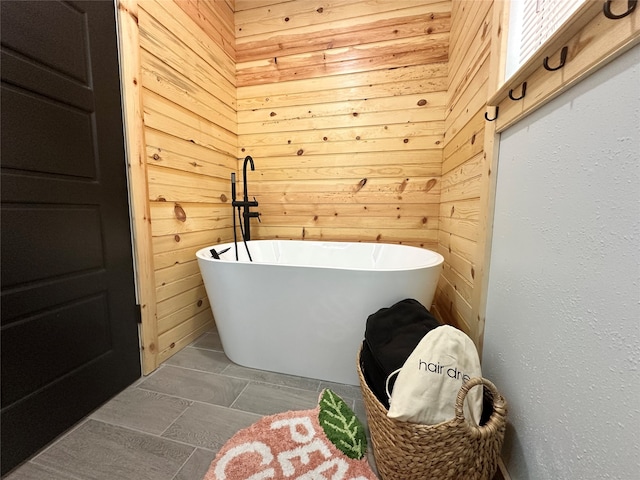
(341, 426)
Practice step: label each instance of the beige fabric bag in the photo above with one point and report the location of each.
(428, 382)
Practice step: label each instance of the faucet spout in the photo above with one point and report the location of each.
(246, 204)
(244, 174)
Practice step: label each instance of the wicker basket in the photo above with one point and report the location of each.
(450, 450)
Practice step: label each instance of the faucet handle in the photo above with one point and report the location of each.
(257, 213)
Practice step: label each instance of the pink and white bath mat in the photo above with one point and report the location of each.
(327, 442)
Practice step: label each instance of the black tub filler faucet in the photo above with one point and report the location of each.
(244, 205)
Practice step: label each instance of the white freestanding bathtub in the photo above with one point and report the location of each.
(301, 306)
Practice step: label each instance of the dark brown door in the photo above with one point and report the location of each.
(69, 335)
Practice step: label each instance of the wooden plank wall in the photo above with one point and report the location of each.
(365, 120)
(187, 57)
(459, 237)
(342, 105)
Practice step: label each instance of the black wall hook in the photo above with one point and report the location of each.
(631, 6)
(524, 91)
(494, 117)
(563, 60)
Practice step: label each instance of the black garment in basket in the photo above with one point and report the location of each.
(391, 335)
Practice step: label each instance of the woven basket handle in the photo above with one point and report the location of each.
(497, 419)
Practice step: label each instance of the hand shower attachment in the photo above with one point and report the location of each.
(233, 211)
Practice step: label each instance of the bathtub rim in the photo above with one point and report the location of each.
(229, 257)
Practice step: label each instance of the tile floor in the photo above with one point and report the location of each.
(170, 424)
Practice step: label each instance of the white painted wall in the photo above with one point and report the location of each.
(562, 338)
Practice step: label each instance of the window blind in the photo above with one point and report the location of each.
(540, 19)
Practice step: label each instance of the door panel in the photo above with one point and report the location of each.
(52, 35)
(69, 334)
(41, 135)
(77, 247)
